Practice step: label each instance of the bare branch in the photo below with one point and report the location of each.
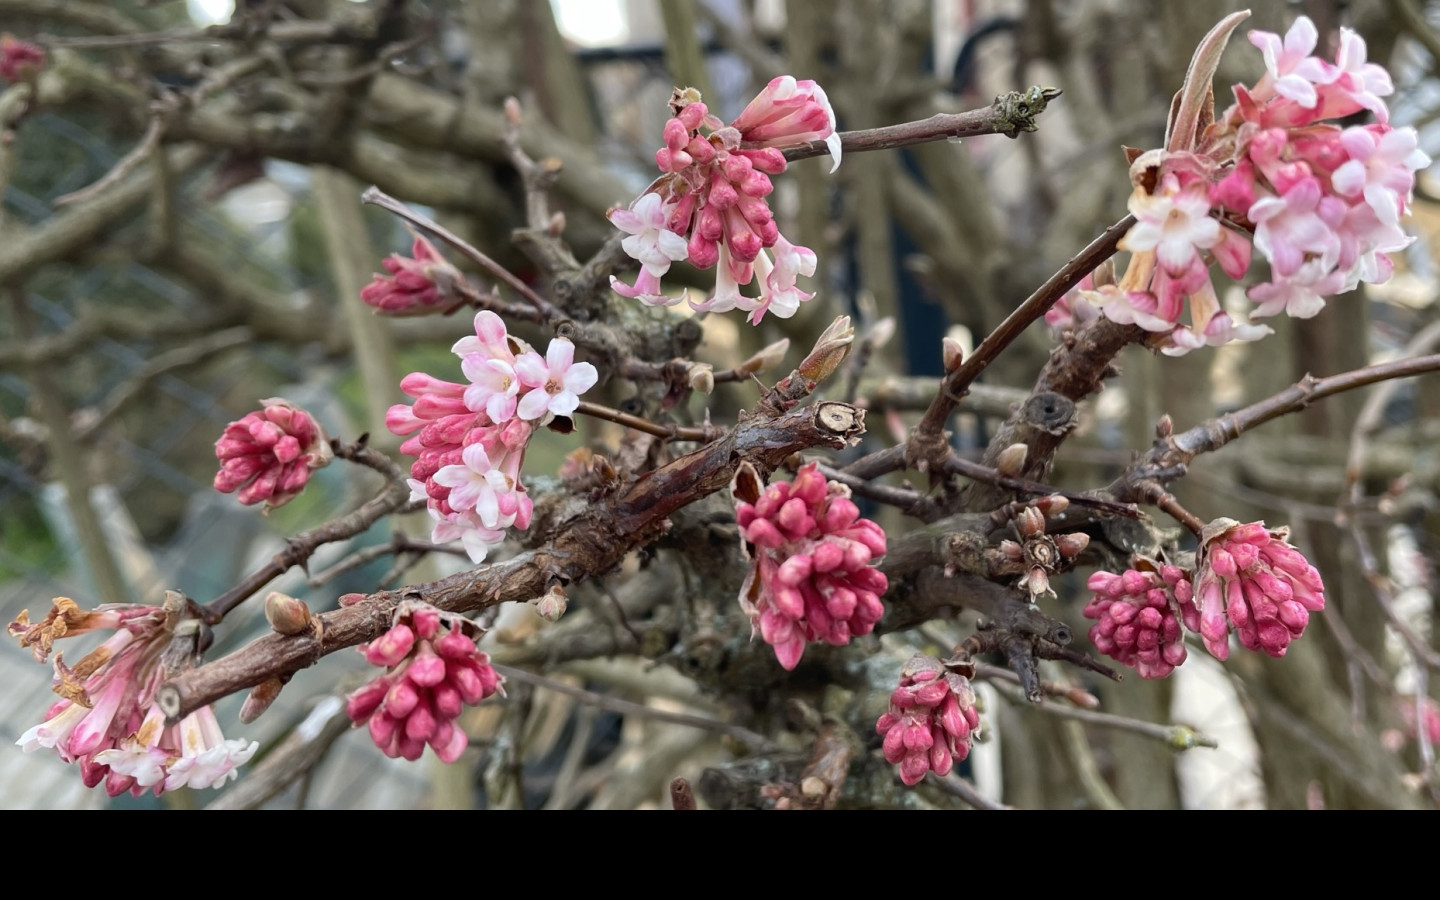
(592, 542)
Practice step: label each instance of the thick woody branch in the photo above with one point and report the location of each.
(593, 541)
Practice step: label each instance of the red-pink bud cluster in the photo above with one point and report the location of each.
(931, 722)
(434, 670)
(269, 454)
(812, 579)
(417, 285)
(1138, 617)
(709, 207)
(1251, 579)
(19, 60)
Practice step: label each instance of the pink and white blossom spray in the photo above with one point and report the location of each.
(1320, 202)
(469, 440)
(108, 720)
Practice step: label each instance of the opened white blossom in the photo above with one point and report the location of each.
(108, 720)
(555, 383)
(1320, 203)
(469, 440)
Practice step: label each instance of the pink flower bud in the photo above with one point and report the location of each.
(1250, 578)
(20, 61)
(931, 721)
(1138, 615)
(268, 455)
(417, 285)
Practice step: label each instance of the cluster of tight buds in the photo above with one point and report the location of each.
(268, 454)
(108, 721)
(709, 208)
(813, 577)
(1249, 580)
(931, 722)
(1139, 618)
(419, 284)
(433, 670)
(1252, 581)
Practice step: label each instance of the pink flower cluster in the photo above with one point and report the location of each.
(433, 671)
(269, 454)
(1248, 580)
(1320, 202)
(931, 722)
(709, 206)
(1251, 579)
(417, 285)
(1138, 617)
(19, 60)
(108, 720)
(469, 439)
(812, 579)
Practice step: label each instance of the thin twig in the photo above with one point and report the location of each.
(142, 151)
(398, 544)
(1171, 455)
(1076, 696)
(955, 785)
(700, 434)
(927, 438)
(1004, 116)
(377, 197)
(131, 388)
(1216, 433)
(299, 548)
(1082, 757)
(978, 472)
(1176, 737)
(903, 498)
(379, 64)
(239, 29)
(757, 742)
